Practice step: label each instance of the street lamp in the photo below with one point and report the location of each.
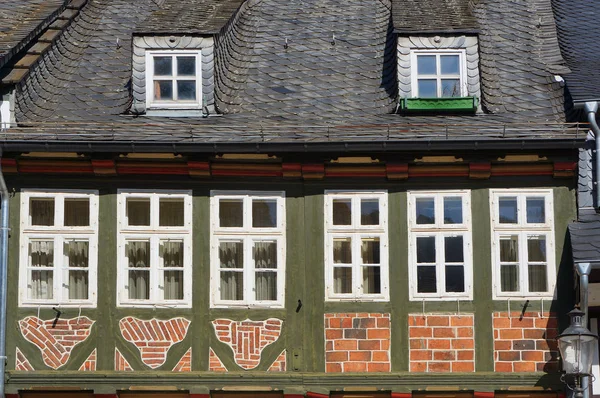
(577, 347)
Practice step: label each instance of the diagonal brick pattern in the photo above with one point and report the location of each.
(22, 363)
(56, 338)
(89, 365)
(247, 338)
(279, 365)
(121, 363)
(214, 363)
(185, 363)
(154, 337)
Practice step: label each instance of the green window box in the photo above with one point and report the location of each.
(455, 104)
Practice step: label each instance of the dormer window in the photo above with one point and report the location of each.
(438, 74)
(173, 79)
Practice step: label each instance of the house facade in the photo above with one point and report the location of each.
(287, 198)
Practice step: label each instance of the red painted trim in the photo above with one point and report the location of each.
(351, 174)
(87, 169)
(199, 395)
(483, 394)
(401, 395)
(293, 395)
(106, 396)
(316, 395)
(245, 173)
(182, 170)
(9, 163)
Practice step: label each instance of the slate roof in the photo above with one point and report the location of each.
(85, 77)
(434, 16)
(579, 37)
(21, 21)
(585, 237)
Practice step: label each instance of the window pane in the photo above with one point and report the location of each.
(453, 246)
(369, 212)
(170, 212)
(163, 66)
(138, 211)
(509, 249)
(41, 211)
(342, 251)
(77, 254)
(536, 248)
(41, 254)
(342, 280)
(426, 279)
(451, 88)
(453, 211)
(509, 278)
(342, 212)
(173, 285)
(231, 254)
(138, 254)
(231, 213)
(537, 278)
(449, 64)
(508, 210)
(266, 286)
(78, 284)
(426, 65)
(425, 249)
(186, 66)
(265, 254)
(172, 254)
(139, 284)
(370, 251)
(425, 210)
(163, 90)
(232, 285)
(77, 212)
(455, 278)
(427, 88)
(371, 280)
(41, 286)
(536, 210)
(186, 90)
(264, 213)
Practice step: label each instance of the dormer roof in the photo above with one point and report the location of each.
(442, 16)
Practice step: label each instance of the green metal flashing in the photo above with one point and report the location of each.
(466, 104)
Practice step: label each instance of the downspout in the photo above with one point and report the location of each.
(3, 272)
(591, 108)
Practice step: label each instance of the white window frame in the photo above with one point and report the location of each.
(439, 230)
(356, 232)
(59, 234)
(151, 103)
(154, 234)
(523, 229)
(247, 234)
(438, 76)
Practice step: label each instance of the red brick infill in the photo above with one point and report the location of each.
(89, 365)
(185, 363)
(279, 365)
(121, 363)
(214, 363)
(21, 362)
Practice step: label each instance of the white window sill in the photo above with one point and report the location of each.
(153, 305)
(32, 304)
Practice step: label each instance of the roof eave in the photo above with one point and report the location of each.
(466, 31)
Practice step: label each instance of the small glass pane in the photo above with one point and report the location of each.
(509, 278)
(451, 88)
(425, 210)
(264, 213)
(172, 254)
(77, 212)
(369, 212)
(231, 213)
(536, 210)
(173, 285)
(163, 90)
(455, 278)
(425, 249)
(138, 211)
(538, 279)
(186, 66)
(78, 284)
(139, 284)
(508, 210)
(77, 254)
(342, 212)
(186, 90)
(342, 251)
(536, 248)
(231, 254)
(170, 212)
(138, 254)
(41, 211)
(41, 253)
(426, 65)
(232, 285)
(342, 280)
(509, 249)
(427, 88)
(265, 254)
(163, 66)
(453, 211)
(371, 280)
(453, 247)
(266, 286)
(370, 251)
(426, 279)
(42, 285)
(449, 64)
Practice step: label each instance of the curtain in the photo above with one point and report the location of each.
(173, 279)
(371, 280)
(138, 254)
(41, 254)
(342, 251)
(266, 285)
(170, 213)
(342, 280)
(77, 254)
(265, 254)
(536, 252)
(77, 212)
(41, 211)
(370, 251)
(509, 273)
(232, 282)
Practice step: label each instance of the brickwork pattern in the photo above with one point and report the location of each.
(185, 363)
(21, 362)
(247, 338)
(56, 338)
(214, 363)
(279, 365)
(525, 342)
(89, 365)
(441, 342)
(154, 337)
(357, 342)
(121, 363)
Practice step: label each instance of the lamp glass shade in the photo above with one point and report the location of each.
(577, 352)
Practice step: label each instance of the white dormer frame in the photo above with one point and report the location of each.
(438, 76)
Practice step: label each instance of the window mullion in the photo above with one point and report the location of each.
(248, 270)
(440, 262)
(523, 275)
(59, 270)
(356, 264)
